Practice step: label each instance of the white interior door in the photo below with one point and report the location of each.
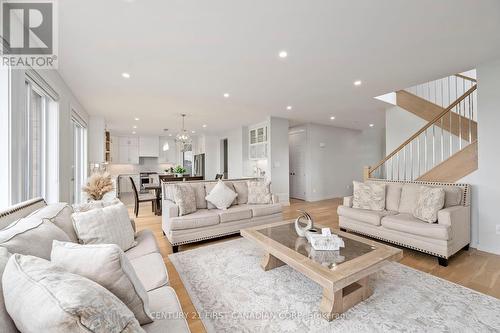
(297, 141)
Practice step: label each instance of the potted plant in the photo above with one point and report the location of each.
(179, 171)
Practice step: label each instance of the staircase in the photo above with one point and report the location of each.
(445, 149)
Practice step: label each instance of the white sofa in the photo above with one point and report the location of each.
(396, 224)
(148, 264)
(208, 223)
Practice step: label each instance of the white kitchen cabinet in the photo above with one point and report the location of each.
(149, 146)
(128, 150)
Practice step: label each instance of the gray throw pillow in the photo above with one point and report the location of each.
(430, 202)
(108, 225)
(369, 196)
(259, 192)
(185, 198)
(59, 214)
(107, 265)
(42, 297)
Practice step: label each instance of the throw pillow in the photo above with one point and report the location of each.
(31, 236)
(108, 225)
(259, 192)
(185, 199)
(86, 206)
(210, 186)
(369, 196)
(430, 202)
(6, 323)
(221, 196)
(43, 297)
(60, 215)
(107, 265)
(241, 189)
(409, 197)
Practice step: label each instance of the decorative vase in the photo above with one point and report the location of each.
(179, 175)
(301, 230)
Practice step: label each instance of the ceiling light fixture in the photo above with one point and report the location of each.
(357, 83)
(134, 126)
(193, 132)
(332, 118)
(289, 107)
(136, 119)
(372, 125)
(134, 132)
(283, 54)
(226, 95)
(204, 126)
(183, 139)
(126, 75)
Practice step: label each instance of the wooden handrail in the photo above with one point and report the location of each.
(423, 129)
(465, 77)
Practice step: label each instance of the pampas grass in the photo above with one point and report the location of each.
(98, 185)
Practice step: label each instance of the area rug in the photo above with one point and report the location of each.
(233, 294)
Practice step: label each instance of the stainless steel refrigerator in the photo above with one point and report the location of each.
(199, 165)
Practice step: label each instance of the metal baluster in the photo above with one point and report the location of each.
(450, 113)
(404, 162)
(470, 119)
(418, 155)
(449, 98)
(433, 145)
(442, 139)
(411, 160)
(460, 125)
(442, 93)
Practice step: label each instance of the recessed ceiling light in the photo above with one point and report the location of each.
(204, 126)
(134, 132)
(332, 118)
(126, 75)
(170, 134)
(283, 54)
(372, 125)
(226, 95)
(357, 83)
(193, 132)
(289, 107)
(134, 126)
(136, 119)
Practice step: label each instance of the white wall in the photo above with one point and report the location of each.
(96, 135)
(336, 156)
(488, 177)
(279, 158)
(67, 102)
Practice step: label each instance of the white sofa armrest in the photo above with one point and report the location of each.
(348, 201)
(275, 199)
(457, 218)
(132, 222)
(169, 208)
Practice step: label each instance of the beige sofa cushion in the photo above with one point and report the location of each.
(241, 187)
(430, 201)
(6, 323)
(151, 271)
(31, 236)
(393, 196)
(235, 213)
(409, 197)
(107, 265)
(165, 308)
(372, 217)
(43, 297)
(60, 215)
(265, 210)
(370, 195)
(409, 224)
(198, 219)
(453, 196)
(146, 244)
(108, 225)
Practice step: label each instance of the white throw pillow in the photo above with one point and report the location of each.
(259, 192)
(59, 214)
(430, 202)
(108, 225)
(31, 236)
(369, 196)
(43, 297)
(221, 196)
(6, 323)
(107, 265)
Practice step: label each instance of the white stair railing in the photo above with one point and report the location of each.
(448, 133)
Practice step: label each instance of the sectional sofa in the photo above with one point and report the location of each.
(208, 222)
(396, 224)
(145, 258)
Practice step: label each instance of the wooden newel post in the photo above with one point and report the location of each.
(366, 172)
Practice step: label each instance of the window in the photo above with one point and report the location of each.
(79, 129)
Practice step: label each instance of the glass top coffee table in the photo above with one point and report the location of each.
(343, 274)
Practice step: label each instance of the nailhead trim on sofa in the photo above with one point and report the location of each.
(16, 209)
(207, 237)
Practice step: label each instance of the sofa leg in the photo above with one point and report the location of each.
(164, 234)
(443, 261)
(343, 229)
(175, 248)
(466, 247)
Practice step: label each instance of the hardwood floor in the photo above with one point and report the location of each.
(473, 269)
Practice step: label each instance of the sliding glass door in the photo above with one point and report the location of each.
(79, 129)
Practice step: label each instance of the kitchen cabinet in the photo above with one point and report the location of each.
(149, 146)
(128, 150)
(126, 185)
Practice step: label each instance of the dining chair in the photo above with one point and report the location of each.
(142, 198)
(219, 176)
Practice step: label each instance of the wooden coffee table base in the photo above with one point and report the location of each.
(333, 303)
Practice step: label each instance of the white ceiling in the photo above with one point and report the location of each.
(183, 55)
